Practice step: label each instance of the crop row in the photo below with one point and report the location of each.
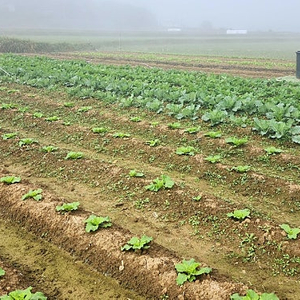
(269, 106)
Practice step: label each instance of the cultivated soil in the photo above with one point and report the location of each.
(51, 252)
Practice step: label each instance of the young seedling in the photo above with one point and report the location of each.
(84, 108)
(153, 143)
(273, 150)
(197, 198)
(99, 130)
(137, 244)
(27, 141)
(163, 181)
(188, 270)
(175, 125)
(69, 104)
(38, 115)
(192, 130)
(186, 151)
(213, 134)
(134, 173)
(292, 233)
(239, 214)
(236, 142)
(93, 223)
(49, 149)
(10, 179)
(135, 119)
(121, 135)
(252, 295)
(241, 169)
(52, 119)
(213, 158)
(74, 155)
(24, 294)
(2, 272)
(7, 136)
(35, 194)
(66, 207)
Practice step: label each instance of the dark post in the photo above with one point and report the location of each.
(298, 65)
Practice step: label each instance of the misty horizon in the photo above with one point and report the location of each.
(251, 15)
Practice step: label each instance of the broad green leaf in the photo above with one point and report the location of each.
(2, 272)
(181, 278)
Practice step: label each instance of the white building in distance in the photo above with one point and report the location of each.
(236, 31)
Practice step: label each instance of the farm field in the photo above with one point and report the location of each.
(205, 164)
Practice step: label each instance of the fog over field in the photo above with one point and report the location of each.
(252, 15)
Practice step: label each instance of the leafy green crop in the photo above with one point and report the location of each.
(213, 134)
(252, 295)
(186, 151)
(241, 169)
(2, 272)
(10, 179)
(93, 223)
(49, 149)
(134, 173)
(8, 136)
(135, 119)
(213, 158)
(38, 115)
(99, 130)
(137, 244)
(35, 194)
(27, 141)
(121, 135)
(163, 181)
(68, 207)
(239, 214)
(69, 104)
(215, 117)
(24, 295)
(74, 155)
(188, 270)
(236, 141)
(153, 143)
(175, 125)
(84, 108)
(292, 233)
(192, 130)
(273, 150)
(52, 119)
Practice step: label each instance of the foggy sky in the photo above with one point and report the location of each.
(277, 15)
(252, 15)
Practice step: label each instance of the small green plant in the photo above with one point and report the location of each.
(197, 198)
(252, 295)
(121, 135)
(93, 223)
(185, 151)
(188, 270)
(175, 125)
(292, 233)
(163, 181)
(7, 136)
(24, 294)
(38, 115)
(139, 204)
(134, 173)
(2, 272)
(10, 179)
(27, 141)
(236, 142)
(213, 134)
(192, 130)
(273, 150)
(135, 119)
(74, 155)
(49, 149)
(67, 207)
(52, 119)
(240, 169)
(69, 104)
(213, 158)
(84, 108)
(153, 143)
(137, 244)
(35, 194)
(99, 130)
(239, 214)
